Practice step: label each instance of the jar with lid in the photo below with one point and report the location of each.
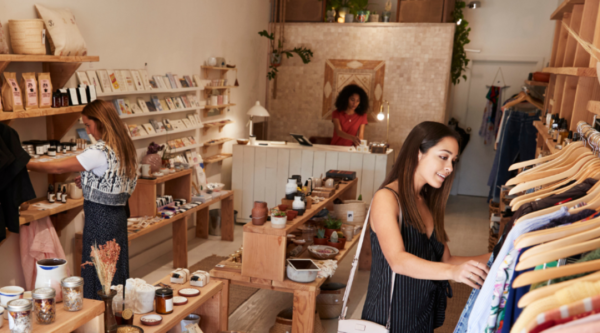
(72, 290)
(44, 305)
(19, 315)
(51, 151)
(56, 100)
(66, 146)
(164, 301)
(73, 146)
(65, 97)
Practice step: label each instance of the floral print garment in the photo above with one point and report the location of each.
(501, 288)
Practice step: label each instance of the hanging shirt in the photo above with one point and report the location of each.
(491, 116)
(350, 124)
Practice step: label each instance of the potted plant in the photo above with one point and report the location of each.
(336, 241)
(278, 52)
(331, 225)
(320, 237)
(278, 219)
(152, 157)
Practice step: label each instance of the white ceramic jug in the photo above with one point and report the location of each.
(298, 203)
(49, 274)
(74, 191)
(291, 187)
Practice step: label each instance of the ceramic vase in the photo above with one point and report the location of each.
(110, 324)
(259, 213)
(278, 222)
(154, 160)
(374, 18)
(320, 241)
(349, 18)
(49, 274)
(298, 204)
(290, 189)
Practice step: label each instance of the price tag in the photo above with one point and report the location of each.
(350, 215)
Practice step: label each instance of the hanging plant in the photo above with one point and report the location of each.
(277, 54)
(461, 38)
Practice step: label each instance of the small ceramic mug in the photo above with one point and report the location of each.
(146, 170)
(8, 294)
(329, 183)
(214, 100)
(225, 99)
(74, 191)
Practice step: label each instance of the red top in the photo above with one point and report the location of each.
(350, 124)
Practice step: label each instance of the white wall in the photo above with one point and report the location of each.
(169, 36)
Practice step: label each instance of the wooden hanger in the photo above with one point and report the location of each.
(558, 253)
(551, 157)
(560, 157)
(549, 290)
(555, 178)
(567, 159)
(523, 97)
(561, 235)
(529, 278)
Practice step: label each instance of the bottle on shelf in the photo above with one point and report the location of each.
(51, 195)
(59, 195)
(64, 195)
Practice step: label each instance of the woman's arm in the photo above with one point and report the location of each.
(340, 132)
(450, 259)
(70, 164)
(361, 132)
(384, 215)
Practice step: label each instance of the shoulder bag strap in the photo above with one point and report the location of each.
(355, 265)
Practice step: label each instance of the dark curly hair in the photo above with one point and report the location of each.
(341, 103)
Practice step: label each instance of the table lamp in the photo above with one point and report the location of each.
(256, 111)
(381, 117)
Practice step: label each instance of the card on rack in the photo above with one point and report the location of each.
(94, 81)
(168, 125)
(198, 119)
(179, 143)
(156, 102)
(171, 80)
(178, 103)
(118, 106)
(83, 78)
(170, 103)
(198, 82)
(177, 82)
(187, 102)
(192, 119)
(175, 124)
(150, 106)
(149, 128)
(188, 156)
(121, 80)
(167, 83)
(183, 83)
(172, 144)
(134, 130)
(186, 142)
(128, 78)
(142, 130)
(135, 108)
(116, 85)
(159, 82)
(187, 123)
(137, 80)
(143, 105)
(192, 140)
(159, 127)
(122, 106)
(153, 84)
(127, 106)
(145, 79)
(189, 81)
(105, 81)
(194, 100)
(164, 105)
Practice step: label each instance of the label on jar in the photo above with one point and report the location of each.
(39, 150)
(11, 322)
(169, 305)
(32, 96)
(45, 93)
(16, 92)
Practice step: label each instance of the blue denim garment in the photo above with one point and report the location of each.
(482, 307)
(461, 326)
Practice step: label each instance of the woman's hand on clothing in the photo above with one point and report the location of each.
(78, 181)
(471, 273)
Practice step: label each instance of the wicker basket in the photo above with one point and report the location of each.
(283, 323)
(26, 36)
(358, 209)
(330, 300)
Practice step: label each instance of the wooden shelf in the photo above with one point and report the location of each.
(537, 83)
(154, 113)
(219, 68)
(543, 132)
(220, 87)
(298, 221)
(180, 149)
(149, 92)
(565, 7)
(208, 107)
(166, 178)
(594, 107)
(166, 133)
(219, 124)
(211, 143)
(40, 112)
(46, 58)
(572, 71)
(32, 213)
(217, 158)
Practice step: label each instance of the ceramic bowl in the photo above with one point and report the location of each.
(291, 214)
(151, 320)
(322, 252)
(131, 328)
(242, 141)
(302, 270)
(282, 208)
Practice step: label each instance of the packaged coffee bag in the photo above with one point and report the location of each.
(11, 94)
(30, 92)
(45, 90)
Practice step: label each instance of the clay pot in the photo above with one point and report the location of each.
(282, 208)
(291, 214)
(328, 232)
(338, 245)
(259, 213)
(320, 241)
(154, 160)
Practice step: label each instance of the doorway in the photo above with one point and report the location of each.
(469, 102)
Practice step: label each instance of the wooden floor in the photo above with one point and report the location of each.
(259, 312)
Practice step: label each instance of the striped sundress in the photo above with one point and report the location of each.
(417, 305)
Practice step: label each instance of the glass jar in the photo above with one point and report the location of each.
(44, 305)
(72, 290)
(164, 301)
(19, 316)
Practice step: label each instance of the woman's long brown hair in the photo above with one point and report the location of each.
(424, 136)
(114, 134)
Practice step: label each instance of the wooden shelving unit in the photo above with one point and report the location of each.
(536, 83)
(212, 143)
(218, 68)
(219, 158)
(155, 113)
(207, 109)
(180, 149)
(32, 213)
(544, 140)
(571, 71)
(219, 124)
(151, 92)
(166, 133)
(4, 116)
(219, 87)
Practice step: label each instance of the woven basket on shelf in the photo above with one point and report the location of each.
(492, 240)
(26, 36)
(494, 209)
(358, 209)
(283, 323)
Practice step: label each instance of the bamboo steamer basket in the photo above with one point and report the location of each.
(26, 36)
(358, 209)
(283, 323)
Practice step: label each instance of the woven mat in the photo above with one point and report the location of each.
(455, 306)
(237, 294)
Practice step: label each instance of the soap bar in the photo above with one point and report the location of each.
(180, 276)
(200, 279)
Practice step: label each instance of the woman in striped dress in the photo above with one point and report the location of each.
(408, 236)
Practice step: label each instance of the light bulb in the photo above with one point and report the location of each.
(459, 22)
(380, 116)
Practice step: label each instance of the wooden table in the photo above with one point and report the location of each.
(89, 320)
(264, 263)
(209, 305)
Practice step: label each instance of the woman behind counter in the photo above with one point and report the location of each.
(350, 118)
(108, 178)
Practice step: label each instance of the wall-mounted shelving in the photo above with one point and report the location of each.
(220, 87)
(166, 133)
(219, 158)
(180, 149)
(150, 92)
(45, 112)
(155, 113)
(219, 124)
(536, 83)
(212, 143)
